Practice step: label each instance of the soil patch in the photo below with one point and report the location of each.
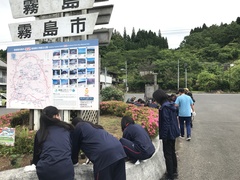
(7, 163)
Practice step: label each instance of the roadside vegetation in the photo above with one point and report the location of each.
(111, 112)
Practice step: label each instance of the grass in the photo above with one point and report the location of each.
(111, 124)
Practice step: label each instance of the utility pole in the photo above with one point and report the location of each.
(178, 75)
(126, 76)
(155, 81)
(185, 66)
(105, 76)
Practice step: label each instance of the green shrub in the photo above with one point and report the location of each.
(116, 108)
(111, 93)
(24, 139)
(20, 118)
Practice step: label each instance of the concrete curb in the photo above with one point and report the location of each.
(153, 169)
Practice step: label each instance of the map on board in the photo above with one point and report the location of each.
(64, 75)
(29, 82)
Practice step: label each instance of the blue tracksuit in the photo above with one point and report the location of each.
(137, 143)
(168, 123)
(102, 148)
(53, 160)
(168, 132)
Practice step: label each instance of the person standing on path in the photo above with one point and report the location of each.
(185, 105)
(168, 131)
(189, 93)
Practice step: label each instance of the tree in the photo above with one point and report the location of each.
(207, 81)
(3, 55)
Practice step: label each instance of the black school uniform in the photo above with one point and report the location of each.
(54, 162)
(103, 150)
(137, 143)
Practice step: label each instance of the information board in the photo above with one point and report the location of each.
(63, 74)
(7, 136)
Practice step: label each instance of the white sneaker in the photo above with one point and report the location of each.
(137, 162)
(188, 139)
(182, 137)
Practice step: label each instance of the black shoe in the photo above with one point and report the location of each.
(175, 175)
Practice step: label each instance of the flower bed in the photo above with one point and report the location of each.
(146, 116)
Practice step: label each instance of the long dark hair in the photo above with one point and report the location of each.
(76, 120)
(160, 96)
(47, 119)
(126, 120)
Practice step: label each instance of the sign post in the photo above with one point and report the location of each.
(61, 21)
(29, 8)
(55, 27)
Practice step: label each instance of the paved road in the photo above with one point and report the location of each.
(4, 110)
(130, 95)
(214, 152)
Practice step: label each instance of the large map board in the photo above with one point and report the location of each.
(64, 75)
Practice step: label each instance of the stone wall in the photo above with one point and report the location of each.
(153, 169)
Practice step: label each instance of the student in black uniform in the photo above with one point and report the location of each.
(103, 150)
(52, 147)
(135, 140)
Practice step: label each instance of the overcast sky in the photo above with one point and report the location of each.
(174, 18)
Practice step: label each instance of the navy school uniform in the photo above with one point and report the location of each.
(137, 143)
(103, 150)
(54, 162)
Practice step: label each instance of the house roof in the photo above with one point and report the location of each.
(3, 64)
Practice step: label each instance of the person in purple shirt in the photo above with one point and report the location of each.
(135, 140)
(103, 150)
(52, 147)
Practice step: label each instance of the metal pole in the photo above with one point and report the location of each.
(155, 81)
(230, 76)
(185, 75)
(105, 75)
(178, 76)
(126, 77)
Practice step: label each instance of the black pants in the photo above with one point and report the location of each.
(170, 156)
(115, 171)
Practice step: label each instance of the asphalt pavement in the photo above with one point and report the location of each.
(213, 152)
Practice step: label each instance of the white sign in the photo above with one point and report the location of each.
(27, 8)
(61, 74)
(53, 28)
(7, 136)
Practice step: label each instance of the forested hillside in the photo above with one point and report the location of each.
(208, 55)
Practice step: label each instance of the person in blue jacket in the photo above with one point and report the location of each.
(168, 131)
(52, 147)
(103, 150)
(135, 140)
